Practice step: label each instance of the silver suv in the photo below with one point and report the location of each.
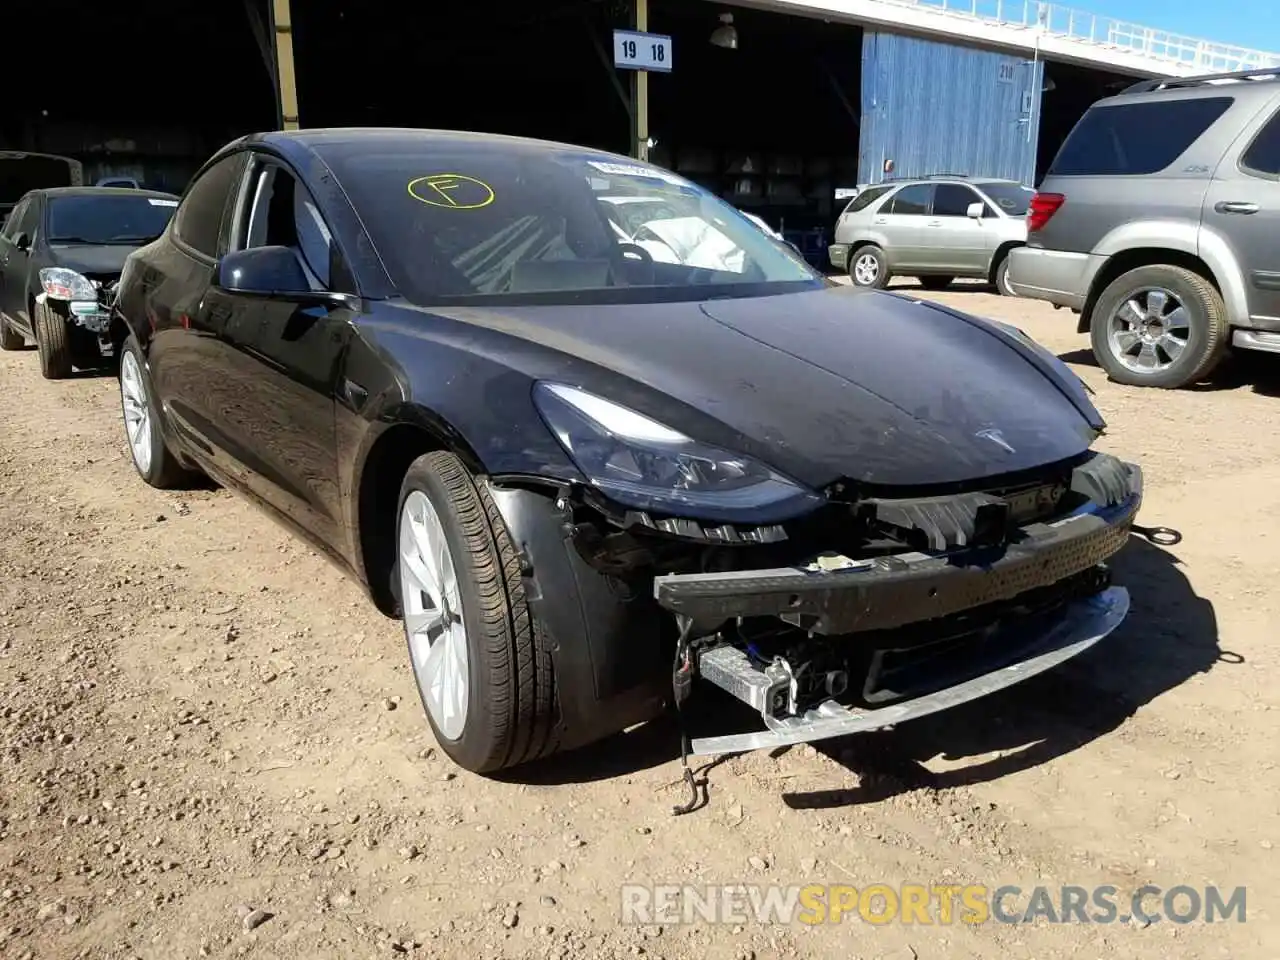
(934, 228)
(1159, 223)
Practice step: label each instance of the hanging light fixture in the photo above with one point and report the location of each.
(725, 35)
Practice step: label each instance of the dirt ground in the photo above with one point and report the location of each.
(200, 718)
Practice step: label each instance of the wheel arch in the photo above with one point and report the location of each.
(403, 436)
(1131, 259)
(999, 257)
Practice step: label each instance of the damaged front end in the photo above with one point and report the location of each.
(960, 596)
(873, 610)
(83, 302)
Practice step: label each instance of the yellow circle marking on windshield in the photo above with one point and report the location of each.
(454, 191)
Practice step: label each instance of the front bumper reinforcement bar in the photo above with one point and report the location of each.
(1081, 625)
(888, 592)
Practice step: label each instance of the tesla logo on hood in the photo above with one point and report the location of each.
(996, 437)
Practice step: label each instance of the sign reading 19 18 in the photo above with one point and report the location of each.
(641, 51)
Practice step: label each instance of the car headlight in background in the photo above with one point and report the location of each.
(62, 284)
(644, 464)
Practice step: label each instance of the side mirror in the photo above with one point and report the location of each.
(262, 271)
(22, 242)
(976, 210)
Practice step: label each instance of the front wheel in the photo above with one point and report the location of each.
(482, 664)
(1159, 326)
(868, 267)
(53, 340)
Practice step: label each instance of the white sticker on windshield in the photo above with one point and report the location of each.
(636, 170)
(161, 203)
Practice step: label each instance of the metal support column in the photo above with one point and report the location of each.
(286, 77)
(641, 81)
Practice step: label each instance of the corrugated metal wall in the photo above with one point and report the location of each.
(937, 108)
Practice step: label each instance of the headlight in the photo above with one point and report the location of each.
(643, 464)
(62, 284)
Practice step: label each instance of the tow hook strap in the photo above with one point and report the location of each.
(681, 685)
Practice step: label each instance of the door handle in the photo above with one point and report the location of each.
(880, 221)
(934, 223)
(1235, 206)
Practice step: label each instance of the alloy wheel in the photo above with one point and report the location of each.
(433, 615)
(137, 411)
(866, 268)
(1149, 330)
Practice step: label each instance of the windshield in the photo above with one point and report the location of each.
(525, 224)
(108, 219)
(1011, 198)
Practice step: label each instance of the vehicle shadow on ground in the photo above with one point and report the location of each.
(1250, 370)
(1170, 635)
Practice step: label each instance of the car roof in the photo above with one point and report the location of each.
(939, 178)
(344, 141)
(1260, 83)
(52, 192)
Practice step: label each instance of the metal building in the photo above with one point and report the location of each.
(931, 107)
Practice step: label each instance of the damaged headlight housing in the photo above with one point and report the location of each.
(644, 464)
(62, 284)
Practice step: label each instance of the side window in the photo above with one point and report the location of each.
(914, 199)
(15, 218)
(1263, 155)
(30, 220)
(1135, 138)
(865, 199)
(953, 199)
(198, 221)
(282, 213)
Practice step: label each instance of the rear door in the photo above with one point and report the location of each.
(902, 221)
(192, 358)
(1243, 206)
(953, 240)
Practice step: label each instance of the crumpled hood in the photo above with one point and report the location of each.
(83, 258)
(822, 385)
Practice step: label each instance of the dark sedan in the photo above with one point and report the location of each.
(594, 460)
(61, 251)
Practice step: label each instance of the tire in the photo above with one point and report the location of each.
(935, 283)
(158, 467)
(10, 339)
(1002, 278)
(510, 715)
(877, 281)
(1204, 322)
(53, 340)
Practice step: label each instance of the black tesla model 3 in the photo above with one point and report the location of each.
(599, 441)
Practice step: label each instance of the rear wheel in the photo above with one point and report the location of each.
(53, 340)
(1159, 326)
(1002, 278)
(935, 283)
(151, 456)
(482, 665)
(10, 339)
(868, 267)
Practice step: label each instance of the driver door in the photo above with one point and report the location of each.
(290, 348)
(15, 264)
